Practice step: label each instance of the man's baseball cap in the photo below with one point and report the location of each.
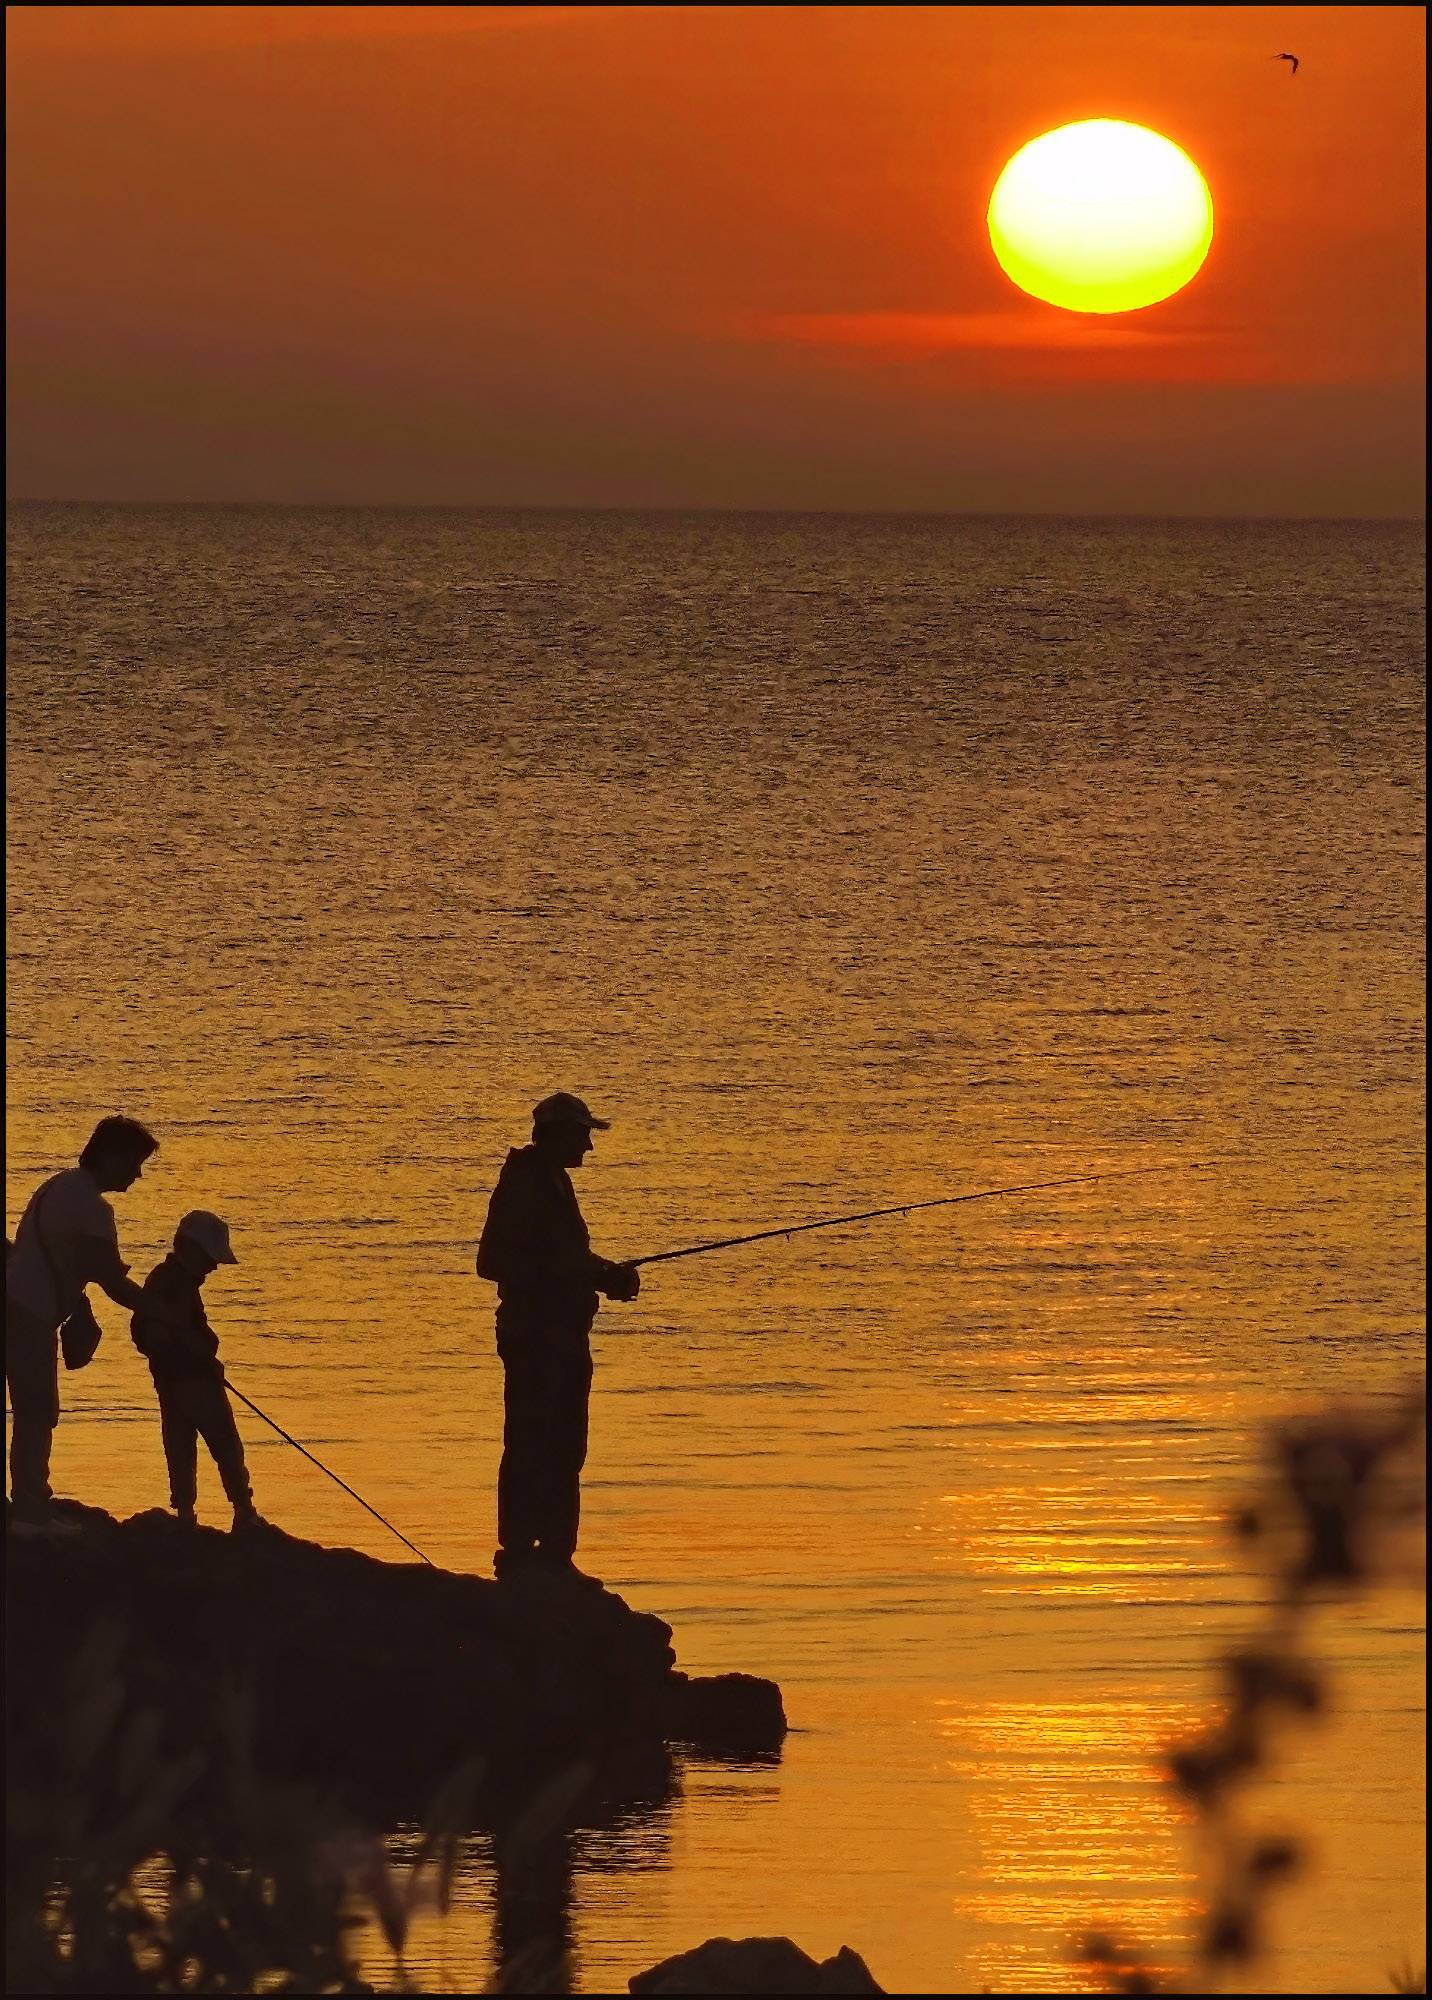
(211, 1235)
(561, 1108)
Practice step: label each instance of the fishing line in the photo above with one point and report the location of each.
(248, 1405)
(904, 1208)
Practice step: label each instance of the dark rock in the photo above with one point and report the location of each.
(847, 1972)
(734, 1715)
(756, 1965)
(373, 1680)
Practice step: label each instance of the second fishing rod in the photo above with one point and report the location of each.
(905, 1208)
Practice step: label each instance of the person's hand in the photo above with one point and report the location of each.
(626, 1283)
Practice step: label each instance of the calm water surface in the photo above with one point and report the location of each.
(839, 862)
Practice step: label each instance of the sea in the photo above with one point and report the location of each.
(840, 862)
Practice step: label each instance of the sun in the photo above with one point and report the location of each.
(1101, 217)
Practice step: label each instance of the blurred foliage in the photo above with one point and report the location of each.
(131, 1868)
(1343, 1509)
(1405, 1980)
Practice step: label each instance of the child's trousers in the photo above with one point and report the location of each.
(189, 1411)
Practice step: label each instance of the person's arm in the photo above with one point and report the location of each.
(521, 1248)
(125, 1292)
(518, 1250)
(503, 1256)
(100, 1264)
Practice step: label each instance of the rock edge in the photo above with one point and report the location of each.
(371, 1679)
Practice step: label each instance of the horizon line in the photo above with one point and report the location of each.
(670, 507)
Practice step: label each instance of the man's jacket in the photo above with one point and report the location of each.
(536, 1250)
(187, 1351)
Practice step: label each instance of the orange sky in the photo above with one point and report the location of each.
(721, 256)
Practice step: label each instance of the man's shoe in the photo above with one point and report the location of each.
(507, 1563)
(185, 1517)
(563, 1566)
(248, 1521)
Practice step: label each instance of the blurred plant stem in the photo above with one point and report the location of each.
(1343, 1510)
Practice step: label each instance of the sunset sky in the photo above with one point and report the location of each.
(699, 256)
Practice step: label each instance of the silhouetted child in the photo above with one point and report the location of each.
(183, 1357)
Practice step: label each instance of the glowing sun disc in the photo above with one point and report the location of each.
(1101, 217)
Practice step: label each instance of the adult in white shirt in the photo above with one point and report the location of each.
(66, 1240)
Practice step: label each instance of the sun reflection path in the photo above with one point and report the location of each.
(1058, 1535)
(1103, 1497)
(1072, 1830)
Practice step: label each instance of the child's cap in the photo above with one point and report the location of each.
(211, 1235)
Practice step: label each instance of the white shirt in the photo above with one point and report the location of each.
(47, 1278)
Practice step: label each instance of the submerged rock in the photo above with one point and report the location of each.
(756, 1965)
(374, 1680)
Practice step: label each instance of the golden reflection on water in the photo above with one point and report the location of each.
(337, 841)
(1071, 1832)
(1066, 1531)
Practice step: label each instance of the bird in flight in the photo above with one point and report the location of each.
(1286, 58)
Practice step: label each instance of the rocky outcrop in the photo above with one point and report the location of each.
(756, 1965)
(730, 1715)
(373, 1680)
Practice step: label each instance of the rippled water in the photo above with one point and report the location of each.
(839, 861)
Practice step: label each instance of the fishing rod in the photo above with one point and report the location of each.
(323, 1468)
(901, 1208)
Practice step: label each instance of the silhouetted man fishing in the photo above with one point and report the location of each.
(536, 1250)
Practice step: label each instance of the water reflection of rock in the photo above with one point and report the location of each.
(528, 1901)
(539, 1864)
